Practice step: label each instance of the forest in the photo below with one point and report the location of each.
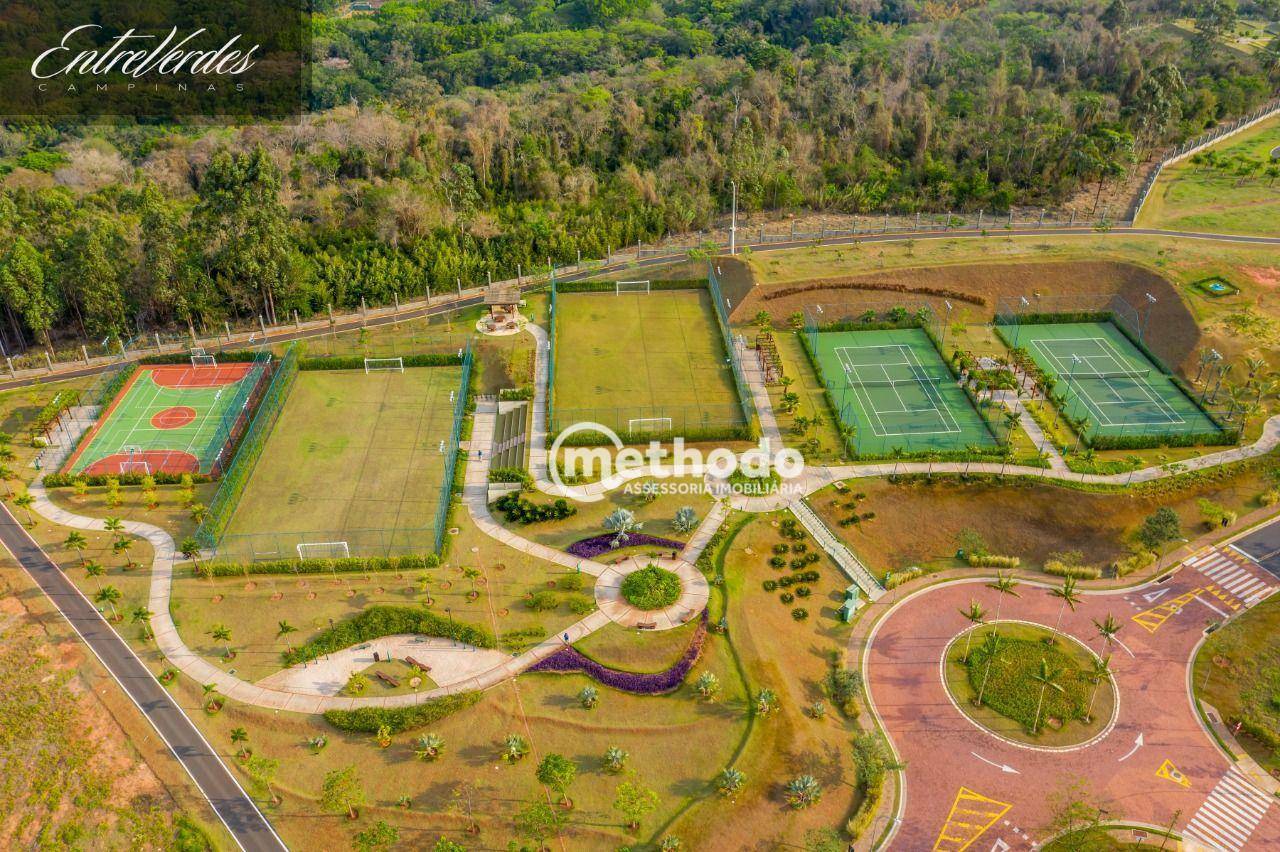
(448, 140)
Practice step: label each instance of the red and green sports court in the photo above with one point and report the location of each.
(171, 419)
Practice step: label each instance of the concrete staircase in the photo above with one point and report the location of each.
(837, 549)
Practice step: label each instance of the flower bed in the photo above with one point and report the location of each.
(597, 545)
(569, 659)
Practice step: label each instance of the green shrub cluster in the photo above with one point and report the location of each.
(378, 621)
(518, 510)
(991, 560)
(231, 356)
(651, 588)
(66, 480)
(1134, 562)
(524, 392)
(517, 475)
(356, 362)
(1078, 572)
(368, 720)
(321, 566)
(897, 578)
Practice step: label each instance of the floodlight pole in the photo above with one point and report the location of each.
(733, 220)
(1142, 330)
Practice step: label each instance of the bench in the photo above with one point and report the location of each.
(647, 625)
(417, 665)
(387, 679)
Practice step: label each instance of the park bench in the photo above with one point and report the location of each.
(387, 679)
(647, 625)
(417, 665)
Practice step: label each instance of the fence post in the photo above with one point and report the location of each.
(48, 360)
(227, 326)
(262, 324)
(978, 227)
(84, 350)
(458, 282)
(9, 361)
(297, 323)
(917, 220)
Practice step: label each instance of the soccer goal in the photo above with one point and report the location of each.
(323, 550)
(648, 425)
(203, 360)
(133, 463)
(384, 365)
(631, 286)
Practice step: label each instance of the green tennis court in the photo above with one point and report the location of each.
(170, 419)
(1109, 382)
(894, 389)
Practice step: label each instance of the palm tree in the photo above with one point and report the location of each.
(428, 746)
(1082, 426)
(109, 595)
(990, 645)
(976, 615)
(239, 735)
(1107, 629)
(120, 547)
(94, 569)
(222, 633)
(142, 615)
(1048, 679)
(283, 629)
(930, 457)
(1011, 419)
(7, 474)
(898, 453)
(77, 542)
(1070, 597)
(1099, 669)
(190, 549)
(24, 501)
(113, 525)
(1004, 584)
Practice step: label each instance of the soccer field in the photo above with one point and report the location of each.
(642, 363)
(1108, 380)
(170, 419)
(355, 457)
(894, 389)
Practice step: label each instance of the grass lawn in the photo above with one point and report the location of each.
(354, 457)
(629, 356)
(1033, 521)
(819, 439)
(397, 670)
(1193, 197)
(637, 650)
(1012, 695)
(1238, 672)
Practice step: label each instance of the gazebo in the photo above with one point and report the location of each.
(503, 302)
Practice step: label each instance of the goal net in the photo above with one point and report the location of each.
(203, 360)
(632, 286)
(134, 463)
(384, 365)
(648, 425)
(323, 550)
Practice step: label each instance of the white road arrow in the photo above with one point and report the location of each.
(1137, 744)
(1003, 767)
(1152, 597)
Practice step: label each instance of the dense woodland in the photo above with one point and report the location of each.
(450, 139)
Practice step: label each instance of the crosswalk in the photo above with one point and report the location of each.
(1228, 817)
(1232, 574)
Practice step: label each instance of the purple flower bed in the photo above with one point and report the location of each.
(590, 548)
(569, 659)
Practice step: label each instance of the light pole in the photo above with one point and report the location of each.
(1142, 330)
(733, 220)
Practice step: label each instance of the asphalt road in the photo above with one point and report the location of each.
(237, 811)
(1262, 546)
(355, 321)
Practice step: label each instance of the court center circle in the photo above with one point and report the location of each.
(174, 417)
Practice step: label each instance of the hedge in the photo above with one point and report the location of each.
(356, 362)
(875, 287)
(611, 286)
(1077, 572)
(866, 812)
(896, 578)
(234, 356)
(66, 480)
(321, 566)
(992, 560)
(520, 476)
(719, 433)
(378, 621)
(367, 720)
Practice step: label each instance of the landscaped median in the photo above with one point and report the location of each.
(378, 621)
(1031, 685)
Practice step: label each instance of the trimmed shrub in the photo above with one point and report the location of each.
(598, 545)
(569, 659)
(367, 720)
(897, 578)
(518, 510)
(378, 621)
(234, 356)
(991, 560)
(67, 480)
(512, 474)
(1134, 562)
(651, 588)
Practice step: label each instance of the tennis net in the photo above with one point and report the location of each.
(1078, 375)
(924, 379)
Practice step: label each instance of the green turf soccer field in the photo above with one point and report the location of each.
(630, 360)
(894, 389)
(1110, 381)
(354, 457)
(170, 419)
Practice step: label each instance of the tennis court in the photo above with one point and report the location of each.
(170, 419)
(1107, 380)
(894, 389)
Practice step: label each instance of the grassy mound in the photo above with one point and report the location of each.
(651, 588)
(1012, 688)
